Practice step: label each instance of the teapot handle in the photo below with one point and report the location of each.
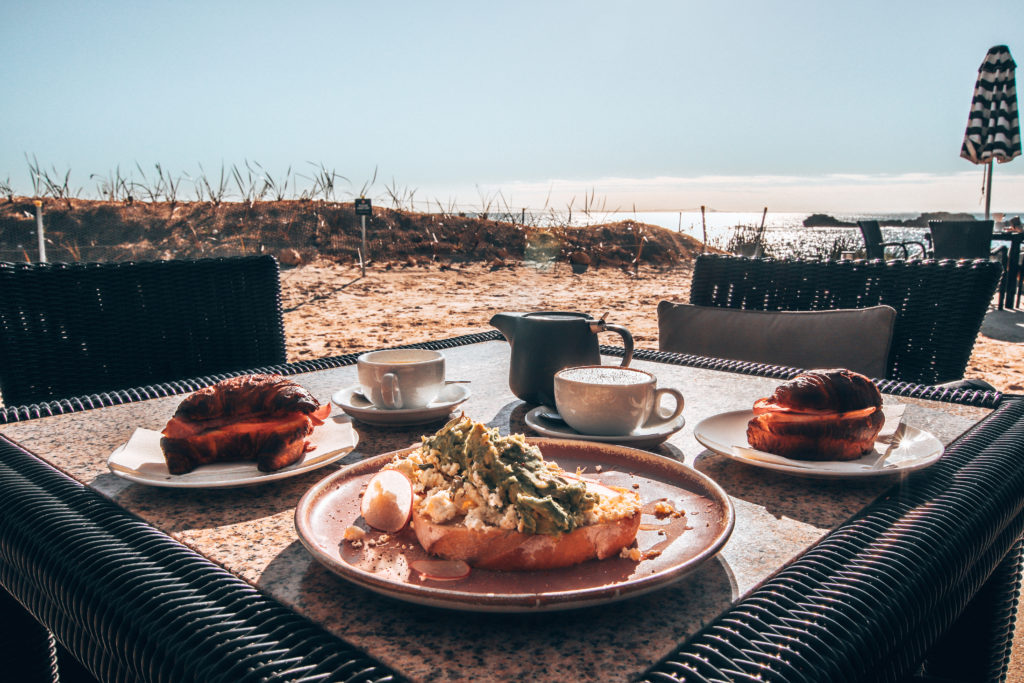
(627, 342)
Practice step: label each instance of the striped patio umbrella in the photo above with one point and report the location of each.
(993, 129)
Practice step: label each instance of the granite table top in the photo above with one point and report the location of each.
(250, 531)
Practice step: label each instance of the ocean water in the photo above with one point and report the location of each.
(784, 233)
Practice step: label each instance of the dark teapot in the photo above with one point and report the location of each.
(547, 341)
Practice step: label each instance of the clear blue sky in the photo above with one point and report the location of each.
(670, 104)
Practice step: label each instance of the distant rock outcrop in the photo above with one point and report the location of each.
(821, 220)
(922, 220)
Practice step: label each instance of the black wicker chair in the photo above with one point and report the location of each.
(73, 329)
(961, 239)
(939, 305)
(874, 247)
(84, 328)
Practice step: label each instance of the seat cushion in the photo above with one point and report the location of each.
(857, 339)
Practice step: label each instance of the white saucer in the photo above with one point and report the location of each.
(644, 438)
(352, 401)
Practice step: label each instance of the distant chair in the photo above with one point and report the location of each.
(874, 247)
(968, 239)
(76, 329)
(961, 239)
(939, 305)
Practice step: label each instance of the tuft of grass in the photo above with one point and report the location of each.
(251, 187)
(324, 181)
(46, 185)
(368, 184)
(744, 240)
(206, 190)
(446, 210)
(596, 211)
(401, 199)
(113, 187)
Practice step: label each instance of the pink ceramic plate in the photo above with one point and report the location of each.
(676, 545)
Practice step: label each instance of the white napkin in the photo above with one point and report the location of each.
(142, 454)
(893, 419)
(884, 444)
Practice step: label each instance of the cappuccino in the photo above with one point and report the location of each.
(604, 400)
(605, 375)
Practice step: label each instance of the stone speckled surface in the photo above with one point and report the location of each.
(251, 532)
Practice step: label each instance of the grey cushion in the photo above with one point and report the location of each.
(857, 339)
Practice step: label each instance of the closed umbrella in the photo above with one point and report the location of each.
(993, 129)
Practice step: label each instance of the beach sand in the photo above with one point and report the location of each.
(330, 309)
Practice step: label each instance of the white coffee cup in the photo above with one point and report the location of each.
(605, 400)
(396, 379)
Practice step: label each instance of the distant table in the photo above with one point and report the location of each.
(1006, 297)
(814, 569)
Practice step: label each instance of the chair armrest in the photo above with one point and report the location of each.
(976, 384)
(921, 246)
(902, 246)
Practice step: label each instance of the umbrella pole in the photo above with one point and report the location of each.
(988, 190)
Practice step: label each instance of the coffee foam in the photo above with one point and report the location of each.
(609, 375)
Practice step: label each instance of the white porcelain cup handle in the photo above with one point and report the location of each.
(389, 391)
(657, 418)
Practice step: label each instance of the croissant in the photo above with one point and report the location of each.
(265, 418)
(819, 415)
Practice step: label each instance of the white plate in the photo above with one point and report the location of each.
(352, 401)
(727, 434)
(556, 428)
(141, 460)
(385, 565)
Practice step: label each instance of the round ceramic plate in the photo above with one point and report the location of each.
(141, 460)
(352, 401)
(912, 449)
(546, 422)
(332, 505)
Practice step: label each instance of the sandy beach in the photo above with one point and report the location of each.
(330, 309)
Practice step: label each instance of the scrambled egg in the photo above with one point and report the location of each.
(471, 472)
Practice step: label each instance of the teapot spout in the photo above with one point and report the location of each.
(506, 323)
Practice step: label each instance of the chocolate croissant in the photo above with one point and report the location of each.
(265, 418)
(819, 415)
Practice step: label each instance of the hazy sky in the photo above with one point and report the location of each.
(664, 105)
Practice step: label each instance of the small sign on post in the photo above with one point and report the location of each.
(363, 209)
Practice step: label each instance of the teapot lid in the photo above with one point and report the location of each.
(558, 315)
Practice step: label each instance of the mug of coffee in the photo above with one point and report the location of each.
(396, 379)
(605, 400)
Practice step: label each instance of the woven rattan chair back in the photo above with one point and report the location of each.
(961, 239)
(939, 306)
(87, 328)
(874, 245)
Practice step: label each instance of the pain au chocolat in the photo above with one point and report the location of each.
(819, 415)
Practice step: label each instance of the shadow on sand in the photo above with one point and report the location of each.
(1005, 325)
